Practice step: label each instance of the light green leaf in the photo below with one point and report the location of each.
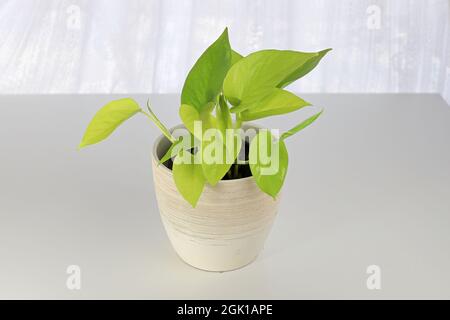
(187, 142)
(223, 155)
(189, 115)
(304, 69)
(278, 101)
(268, 162)
(172, 152)
(214, 170)
(300, 126)
(204, 81)
(266, 69)
(235, 57)
(223, 115)
(188, 177)
(253, 99)
(107, 119)
(217, 147)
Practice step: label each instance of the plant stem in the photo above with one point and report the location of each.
(158, 123)
(238, 122)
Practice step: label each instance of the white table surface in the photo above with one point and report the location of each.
(368, 183)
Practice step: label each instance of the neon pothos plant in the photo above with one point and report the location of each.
(223, 85)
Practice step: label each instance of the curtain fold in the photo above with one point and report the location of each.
(118, 46)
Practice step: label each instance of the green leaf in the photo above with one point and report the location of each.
(254, 74)
(204, 81)
(217, 148)
(277, 101)
(304, 69)
(223, 115)
(215, 170)
(268, 162)
(171, 152)
(107, 119)
(189, 115)
(235, 57)
(300, 126)
(187, 143)
(188, 177)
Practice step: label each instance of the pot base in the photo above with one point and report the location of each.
(216, 271)
(215, 253)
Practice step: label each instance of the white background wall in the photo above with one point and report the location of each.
(130, 46)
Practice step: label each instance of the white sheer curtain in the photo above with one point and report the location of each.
(126, 46)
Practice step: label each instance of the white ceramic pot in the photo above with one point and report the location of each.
(228, 227)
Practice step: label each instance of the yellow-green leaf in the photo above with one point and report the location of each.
(107, 119)
(215, 170)
(276, 102)
(188, 177)
(216, 148)
(204, 81)
(172, 152)
(304, 69)
(268, 162)
(235, 57)
(189, 115)
(252, 78)
(223, 115)
(300, 126)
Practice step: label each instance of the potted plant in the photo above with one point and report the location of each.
(217, 176)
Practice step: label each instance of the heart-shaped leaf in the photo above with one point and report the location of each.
(172, 152)
(188, 176)
(218, 155)
(223, 115)
(268, 162)
(235, 57)
(189, 115)
(226, 142)
(107, 119)
(275, 102)
(204, 81)
(253, 78)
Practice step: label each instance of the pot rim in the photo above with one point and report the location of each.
(161, 137)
